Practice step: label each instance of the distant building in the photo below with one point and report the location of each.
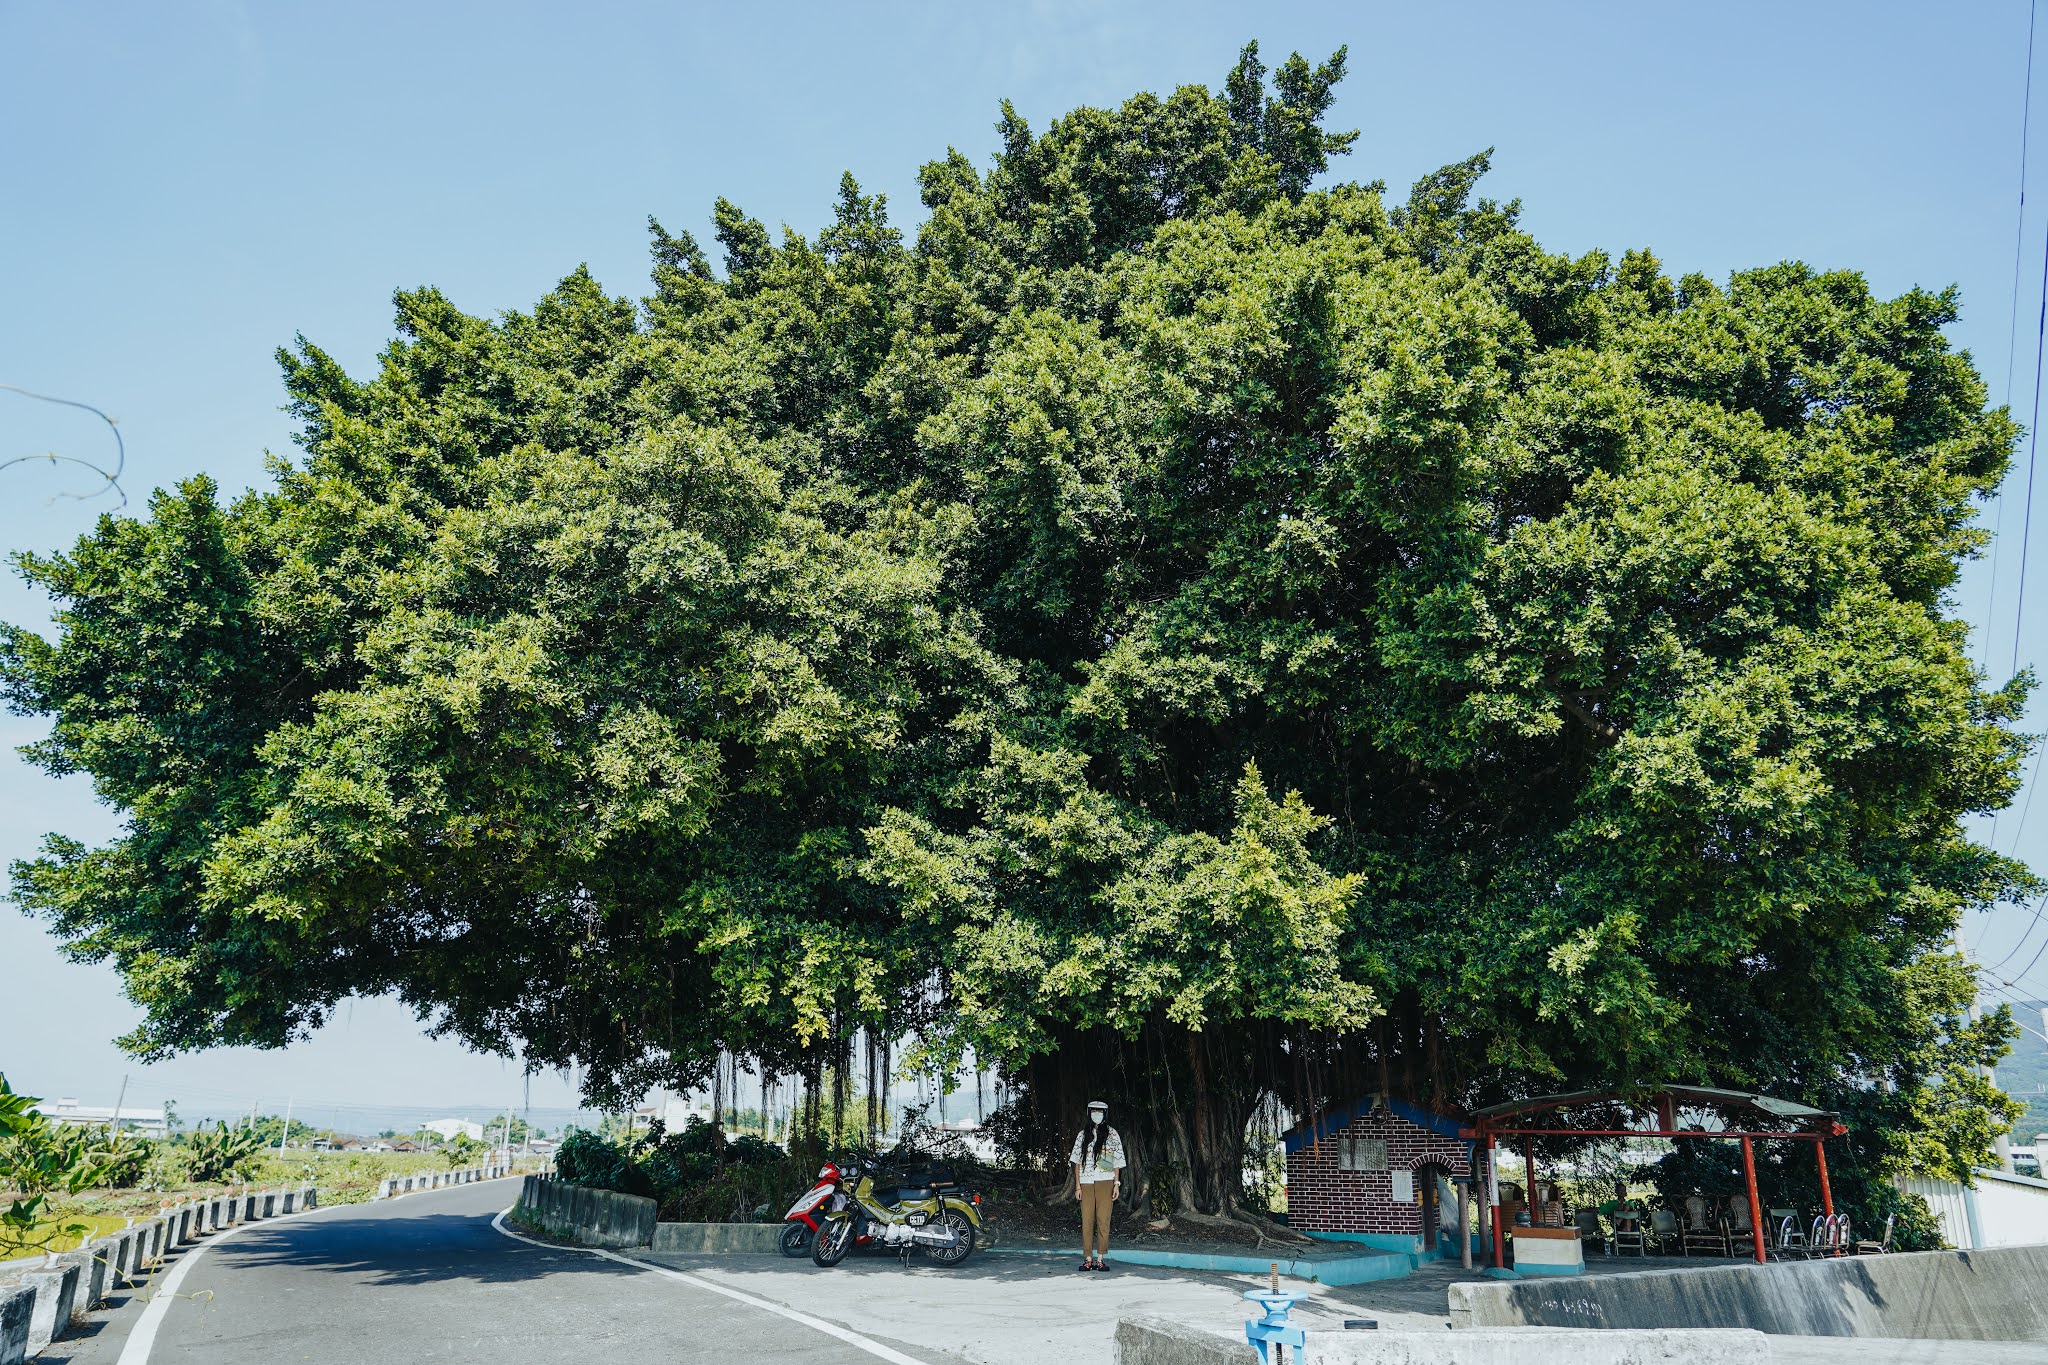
(402, 1145)
(148, 1122)
(449, 1128)
(675, 1111)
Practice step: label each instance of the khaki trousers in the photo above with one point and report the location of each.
(1096, 1204)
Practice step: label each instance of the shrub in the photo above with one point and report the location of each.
(587, 1158)
(217, 1154)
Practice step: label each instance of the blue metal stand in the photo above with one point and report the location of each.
(1274, 1329)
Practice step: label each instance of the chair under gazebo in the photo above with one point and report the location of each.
(1679, 1112)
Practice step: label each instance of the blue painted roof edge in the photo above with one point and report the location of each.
(1305, 1134)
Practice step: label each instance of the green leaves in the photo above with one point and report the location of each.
(1163, 596)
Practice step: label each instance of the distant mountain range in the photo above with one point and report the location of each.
(2024, 1074)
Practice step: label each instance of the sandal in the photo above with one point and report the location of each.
(1087, 1265)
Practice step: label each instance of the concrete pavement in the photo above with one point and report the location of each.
(427, 1278)
(1006, 1309)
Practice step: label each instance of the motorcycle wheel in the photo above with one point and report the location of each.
(962, 1248)
(796, 1239)
(833, 1241)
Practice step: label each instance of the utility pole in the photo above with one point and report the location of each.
(2002, 1144)
(122, 1098)
(287, 1131)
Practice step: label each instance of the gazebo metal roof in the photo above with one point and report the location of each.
(1612, 1112)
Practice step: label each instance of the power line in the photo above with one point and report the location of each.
(2026, 807)
(2033, 448)
(2011, 999)
(120, 446)
(2032, 924)
(2012, 329)
(2017, 977)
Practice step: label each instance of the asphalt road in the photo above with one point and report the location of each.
(428, 1278)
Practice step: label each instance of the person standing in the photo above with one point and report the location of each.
(1098, 1161)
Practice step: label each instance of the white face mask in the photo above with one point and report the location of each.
(1097, 1115)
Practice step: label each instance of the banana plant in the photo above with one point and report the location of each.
(39, 1159)
(217, 1153)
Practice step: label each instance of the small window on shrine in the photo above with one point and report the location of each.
(1361, 1154)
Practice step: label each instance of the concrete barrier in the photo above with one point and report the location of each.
(17, 1306)
(718, 1239)
(1161, 1341)
(99, 1277)
(576, 1213)
(56, 1290)
(55, 1296)
(394, 1185)
(1989, 1295)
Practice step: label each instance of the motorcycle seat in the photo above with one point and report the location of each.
(904, 1194)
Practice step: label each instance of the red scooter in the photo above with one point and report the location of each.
(806, 1213)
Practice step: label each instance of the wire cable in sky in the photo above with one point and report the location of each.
(2012, 999)
(2032, 924)
(2019, 609)
(2012, 328)
(120, 447)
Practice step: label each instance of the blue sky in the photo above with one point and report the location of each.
(183, 188)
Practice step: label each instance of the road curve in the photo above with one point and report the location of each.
(427, 1278)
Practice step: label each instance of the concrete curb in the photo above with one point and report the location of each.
(1365, 1268)
(54, 1296)
(718, 1239)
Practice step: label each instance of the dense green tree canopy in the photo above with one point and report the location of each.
(1164, 606)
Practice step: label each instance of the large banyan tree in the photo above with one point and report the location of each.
(1168, 631)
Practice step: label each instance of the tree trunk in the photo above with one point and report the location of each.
(1179, 1098)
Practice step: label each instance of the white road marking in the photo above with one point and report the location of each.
(136, 1350)
(830, 1329)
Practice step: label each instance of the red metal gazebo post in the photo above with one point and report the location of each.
(1827, 1196)
(1756, 1210)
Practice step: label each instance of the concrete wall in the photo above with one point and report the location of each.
(1157, 1341)
(1990, 1295)
(577, 1213)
